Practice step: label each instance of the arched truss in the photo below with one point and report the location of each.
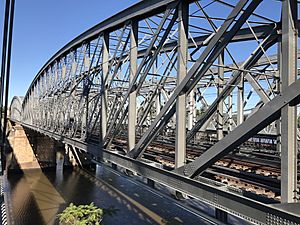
(16, 108)
(167, 71)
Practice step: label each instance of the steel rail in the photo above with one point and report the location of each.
(224, 198)
(210, 53)
(264, 116)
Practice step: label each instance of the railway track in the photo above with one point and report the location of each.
(257, 177)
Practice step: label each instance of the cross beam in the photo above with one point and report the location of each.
(259, 120)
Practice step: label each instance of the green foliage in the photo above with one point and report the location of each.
(81, 215)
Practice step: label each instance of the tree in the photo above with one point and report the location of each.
(81, 215)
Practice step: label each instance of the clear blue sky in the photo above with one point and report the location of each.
(42, 27)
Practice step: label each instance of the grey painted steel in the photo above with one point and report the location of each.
(264, 116)
(257, 87)
(145, 69)
(220, 113)
(105, 74)
(16, 108)
(139, 10)
(221, 197)
(132, 118)
(230, 85)
(288, 71)
(209, 55)
(180, 140)
(133, 92)
(240, 101)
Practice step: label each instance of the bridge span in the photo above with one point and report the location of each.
(199, 96)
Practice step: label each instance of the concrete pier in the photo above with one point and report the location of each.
(31, 150)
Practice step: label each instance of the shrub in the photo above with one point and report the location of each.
(81, 215)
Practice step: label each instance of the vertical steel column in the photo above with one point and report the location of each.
(86, 91)
(157, 102)
(230, 112)
(105, 74)
(157, 97)
(240, 101)
(85, 116)
(278, 89)
(191, 115)
(220, 114)
(180, 142)
(289, 113)
(132, 95)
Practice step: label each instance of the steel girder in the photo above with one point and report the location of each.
(228, 199)
(260, 119)
(211, 52)
(119, 82)
(16, 108)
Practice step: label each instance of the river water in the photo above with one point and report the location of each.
(36, 197)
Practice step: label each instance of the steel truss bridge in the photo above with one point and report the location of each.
(174, 90)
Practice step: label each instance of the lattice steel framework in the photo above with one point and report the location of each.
(168, 71)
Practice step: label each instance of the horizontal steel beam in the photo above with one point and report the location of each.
(244, 34)
(138, 11)
(231, 201)
(218, 42)
(255, 123)
(263, 61)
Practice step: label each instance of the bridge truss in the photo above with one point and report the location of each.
(171, 71)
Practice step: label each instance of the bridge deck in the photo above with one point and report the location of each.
(37, 198)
